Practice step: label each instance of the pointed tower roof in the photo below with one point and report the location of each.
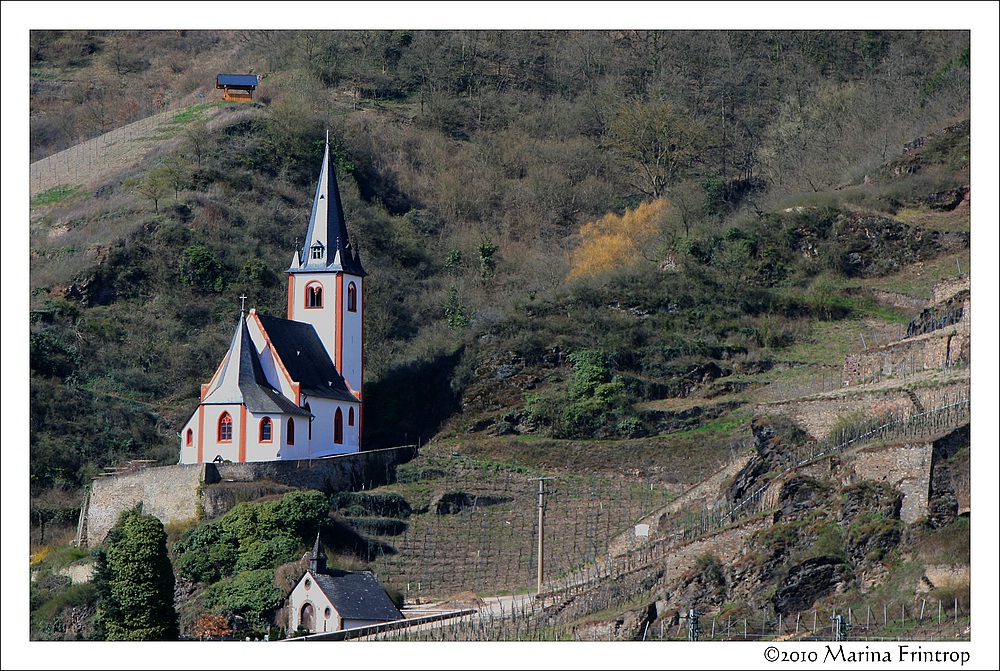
(317, 560)
(327, 246)
(241, 379)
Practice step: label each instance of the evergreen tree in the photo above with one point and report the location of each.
(136, 582)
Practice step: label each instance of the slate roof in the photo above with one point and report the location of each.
(242, 380)
(305, 358)
(237, 80)
(357, 596)
(327, 229)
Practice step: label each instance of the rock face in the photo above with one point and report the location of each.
(769, 434)
(797, 495)
(877, 497)
(808, 581)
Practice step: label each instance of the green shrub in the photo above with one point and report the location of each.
(250, 594)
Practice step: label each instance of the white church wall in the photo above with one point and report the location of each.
(352, 335)
(228, 450)
(322, 319)
(257, 450)
(322, 443)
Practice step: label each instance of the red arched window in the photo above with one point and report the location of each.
(314, 295)
(189, 438)
(307, 409)
(265, 430)
(225, 428)
(291, 431)
(338, 427)
(350, 417)
(352, 297)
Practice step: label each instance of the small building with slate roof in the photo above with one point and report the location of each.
(237, 87)
(291, 388)
(331, 600)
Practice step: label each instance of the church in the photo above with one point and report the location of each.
(291, 388)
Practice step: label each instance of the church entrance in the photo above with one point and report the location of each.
(307, 617)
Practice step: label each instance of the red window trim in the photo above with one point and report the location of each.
(352, 297)
(225, 419)
(308, 295)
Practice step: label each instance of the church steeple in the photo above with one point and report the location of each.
(317, 560)
(327, 246)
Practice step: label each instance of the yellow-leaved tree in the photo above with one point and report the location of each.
(616, 240)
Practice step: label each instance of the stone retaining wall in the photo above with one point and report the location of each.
(168, 492)
(905, 466)
(185, 492)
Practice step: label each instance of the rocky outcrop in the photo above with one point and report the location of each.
(808, 581)
(798, 495)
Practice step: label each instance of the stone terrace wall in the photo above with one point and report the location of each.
(947, 346)
(819, 415)
(168, 492)
(945, 289)
(349, 472)
(173, 493)
(905, 466)
(927, 352)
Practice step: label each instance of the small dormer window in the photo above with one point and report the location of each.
(317, 250)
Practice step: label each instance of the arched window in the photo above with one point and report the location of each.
(291, 431)
(310, 421)
(338, 427)
(352, 297)
(307, 617)
(189, 438)
(265, 430)
(314, 295)
(225, 428)
(350, 417)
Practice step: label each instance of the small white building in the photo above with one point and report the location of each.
(291, 388)
(326, 601)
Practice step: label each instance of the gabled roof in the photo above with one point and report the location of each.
(305, 358)
(357, 596)
(240, 379)
(250, 81)
(327, 231)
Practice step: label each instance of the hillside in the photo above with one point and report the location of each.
(585, 268)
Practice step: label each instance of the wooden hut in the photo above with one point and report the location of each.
(237, 87)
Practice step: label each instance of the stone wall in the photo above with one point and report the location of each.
(168, 492)
(945, 289)
(948, 345)
(188, 491)
(819, 415)
(905, 466)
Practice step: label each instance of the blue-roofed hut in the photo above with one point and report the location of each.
(237, 87)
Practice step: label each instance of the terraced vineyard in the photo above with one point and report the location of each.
(489, 544)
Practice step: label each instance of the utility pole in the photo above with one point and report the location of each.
(541, 528)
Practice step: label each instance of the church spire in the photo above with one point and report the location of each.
(317, 560)
(327, 245)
